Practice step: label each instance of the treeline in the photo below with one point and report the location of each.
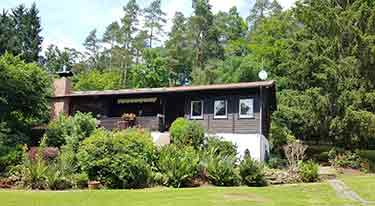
(320, 52)
(137, 51)
(20, 32)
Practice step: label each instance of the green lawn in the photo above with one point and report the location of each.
(363, 185)
(292, 195)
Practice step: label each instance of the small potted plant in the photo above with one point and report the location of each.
(93, 185)
(127, 120)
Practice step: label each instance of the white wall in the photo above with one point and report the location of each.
(256, 143)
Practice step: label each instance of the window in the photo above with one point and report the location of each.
(196, 110)
(220, 109)
(246, 108)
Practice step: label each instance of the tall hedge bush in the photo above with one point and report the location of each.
(187, 133)
(118, 160)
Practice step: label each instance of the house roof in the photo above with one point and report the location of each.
(242, 85)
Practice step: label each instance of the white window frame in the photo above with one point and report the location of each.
(191, 110)
(242, 116)
(226, 109)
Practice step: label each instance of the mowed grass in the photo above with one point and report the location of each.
(292, 195)
(364, 186)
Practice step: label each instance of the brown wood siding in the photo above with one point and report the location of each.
(231, 124)
(246, 126)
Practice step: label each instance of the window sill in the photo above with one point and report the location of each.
(196, 118)
(220, 117)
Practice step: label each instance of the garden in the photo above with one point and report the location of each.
(87, 161)
(75, 154)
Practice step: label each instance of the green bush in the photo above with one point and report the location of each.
(57, 130)
(178, 165)
(277, 162)
(118, 160)
(218, 146)
(308, 171)
(9, 157)
(79, 180)
(345, 159)
(251, 171)
(187, 133)
(221, 170)
(70, 130)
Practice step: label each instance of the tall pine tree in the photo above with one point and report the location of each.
(154, 21)
(129, 30)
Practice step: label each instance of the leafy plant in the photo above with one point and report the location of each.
(119, 160)
(187, 133)
(70, 130)
(178, 165)
(221, 170)
(251, 171)
(308, 171)
(218, 146)
(9, 157)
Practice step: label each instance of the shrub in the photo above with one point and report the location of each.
(345, 159)
(119, 160)
(32, 171)
(79, 180)
(9, 157)
(308, 171)
(221, 170)
(54, 178)
(187, 133)
(251, 171)
(178, 165)
(277, 162)
(70, 130)
(57, 131)
(218, 146)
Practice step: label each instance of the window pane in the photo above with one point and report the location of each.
(220, 108)
(196, 108)
(246, 107)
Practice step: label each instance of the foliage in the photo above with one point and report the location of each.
(9, 157)
(277, 162)
(251, 171)
(178, 164)
(153, 73)
(20, 30)
(24, 99)
(55, 58)
(219, 146)
(119, 160)
(154, 21)
(96, 80)
(308, 171)
(279, 136)
(221, 170)
(346, 159)
(70, 130)
(187, 133)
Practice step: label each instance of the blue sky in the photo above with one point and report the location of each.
(66, 23)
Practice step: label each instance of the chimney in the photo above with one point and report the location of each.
(61, 90)
(61, 87)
